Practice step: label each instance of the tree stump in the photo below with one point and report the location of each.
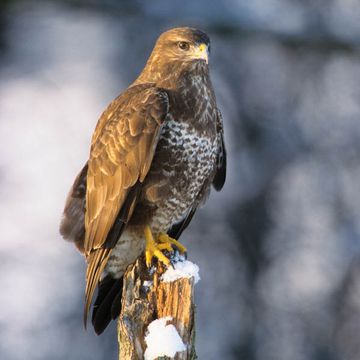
(146, 298)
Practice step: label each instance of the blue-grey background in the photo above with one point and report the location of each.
(278, 248)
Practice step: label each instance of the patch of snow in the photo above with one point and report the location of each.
(147, 283)
(162, 339)
(181, 269)
(152, 270)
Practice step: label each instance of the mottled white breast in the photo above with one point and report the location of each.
(190, 162)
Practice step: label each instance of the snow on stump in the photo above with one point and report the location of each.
(162, 339)
(157, 315)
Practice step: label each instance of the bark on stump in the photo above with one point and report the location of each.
(143, 304)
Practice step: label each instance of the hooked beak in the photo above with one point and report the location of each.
(202, 52)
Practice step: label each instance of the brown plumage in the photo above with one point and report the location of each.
(154, 154)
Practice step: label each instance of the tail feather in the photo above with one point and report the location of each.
(103, 289)
(107, 305)
(96, 264)
(116, 304)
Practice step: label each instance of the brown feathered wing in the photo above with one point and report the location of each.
(122, 150)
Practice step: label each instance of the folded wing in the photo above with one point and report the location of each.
(122, 150)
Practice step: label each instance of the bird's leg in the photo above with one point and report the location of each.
(153, 249)
(166, 241)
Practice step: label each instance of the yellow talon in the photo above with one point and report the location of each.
(153, 249)
(166, 240)
(164, 246)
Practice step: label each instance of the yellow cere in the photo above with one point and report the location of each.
(202, 47)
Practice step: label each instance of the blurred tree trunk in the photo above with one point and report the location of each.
(141, 304)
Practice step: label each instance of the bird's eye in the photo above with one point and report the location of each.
(183, 45)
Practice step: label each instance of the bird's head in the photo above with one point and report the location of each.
(175, 50)
(183, 44)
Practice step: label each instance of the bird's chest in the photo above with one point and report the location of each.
(188, 156)
(183, 161)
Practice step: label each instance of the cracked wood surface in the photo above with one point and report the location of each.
(143, 304)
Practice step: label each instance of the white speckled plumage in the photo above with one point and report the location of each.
(192, 161)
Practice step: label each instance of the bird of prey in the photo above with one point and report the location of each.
(155, 152)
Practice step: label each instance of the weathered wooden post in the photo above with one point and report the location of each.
(156, 294)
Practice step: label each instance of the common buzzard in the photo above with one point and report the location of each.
(154, 154)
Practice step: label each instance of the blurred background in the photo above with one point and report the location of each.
(278, 248)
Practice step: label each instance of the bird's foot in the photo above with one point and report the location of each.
(166, 242)
(153, 249)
